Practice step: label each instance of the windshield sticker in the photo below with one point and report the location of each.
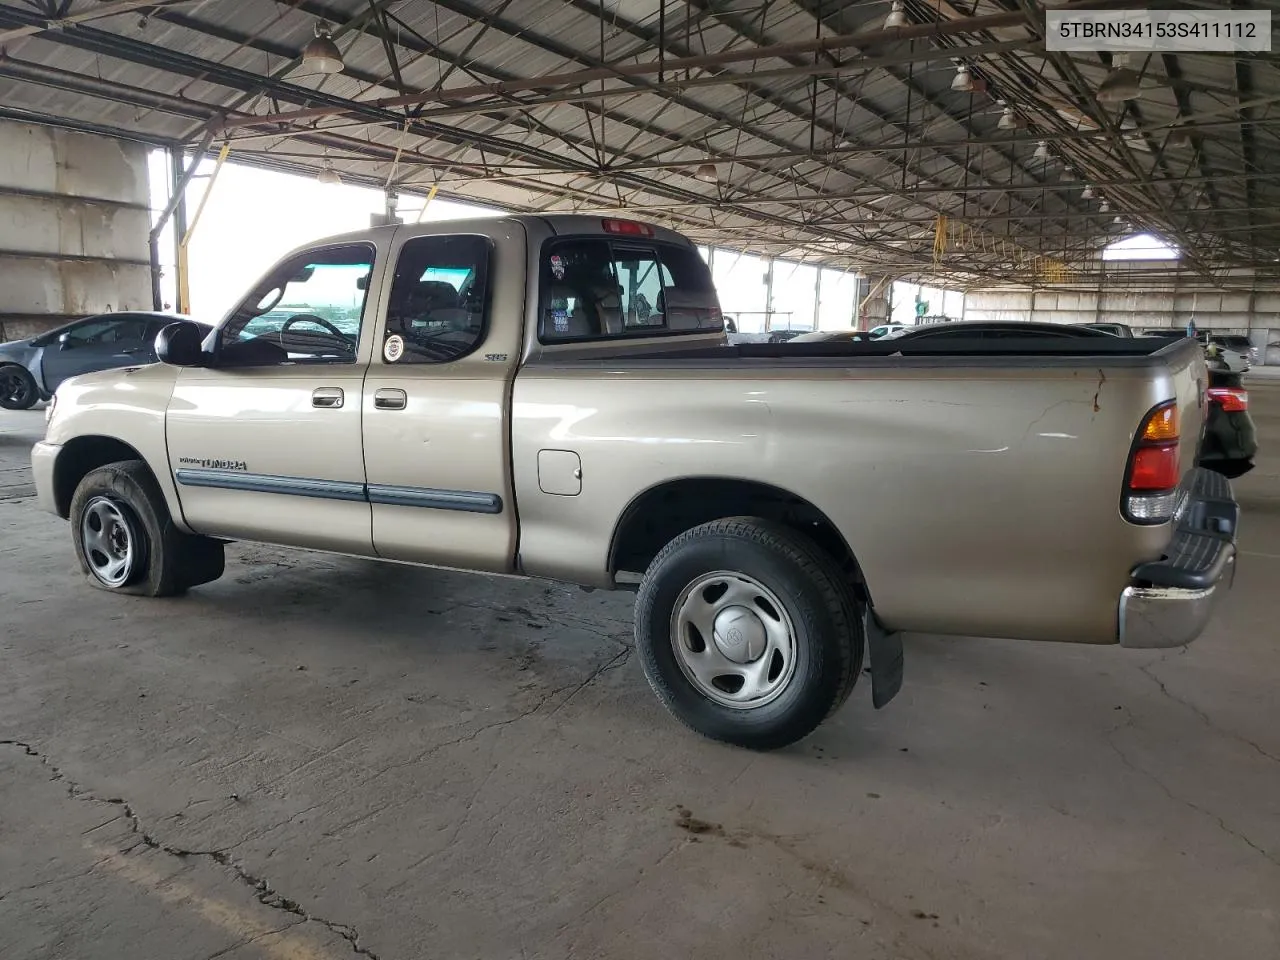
(393, 349)
(560, 320)
(557, 266)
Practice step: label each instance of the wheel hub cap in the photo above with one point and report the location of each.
(734, 640)
(108, 541)
(739, 634)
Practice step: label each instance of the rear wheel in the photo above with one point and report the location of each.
(748, 632)
(125, 538)
(17, 388)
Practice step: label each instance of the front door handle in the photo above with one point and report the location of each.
(389, 398)
(327, 397)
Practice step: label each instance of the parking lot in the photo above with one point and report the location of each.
(319, 757)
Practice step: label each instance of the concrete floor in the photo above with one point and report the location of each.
(325, 758)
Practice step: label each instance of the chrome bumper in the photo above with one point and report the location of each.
(1152, 617)
(1170, 600)
(43, 456)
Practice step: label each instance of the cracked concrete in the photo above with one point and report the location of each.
(320, 757)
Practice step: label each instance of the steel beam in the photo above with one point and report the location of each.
(578, 77)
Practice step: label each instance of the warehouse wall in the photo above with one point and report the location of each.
(74, 226)
(1146, 294)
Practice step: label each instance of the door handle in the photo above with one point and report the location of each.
(389, 398)
(327, 397)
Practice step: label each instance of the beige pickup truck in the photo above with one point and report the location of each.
(554, 397)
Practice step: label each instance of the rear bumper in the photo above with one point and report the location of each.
(1170, 601)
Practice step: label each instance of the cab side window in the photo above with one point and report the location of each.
(438, 308)
(308, 310)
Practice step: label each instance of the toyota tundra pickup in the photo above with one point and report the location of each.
(554, 397)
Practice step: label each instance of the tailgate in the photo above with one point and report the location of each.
(1191, 382)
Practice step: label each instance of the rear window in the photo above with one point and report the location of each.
(594, 288)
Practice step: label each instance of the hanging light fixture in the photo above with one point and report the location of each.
(1177, 138)
(328, 175)
(707, 173)
(1086, 193)
(963, 80)
(1042, 151)
(322, 54)
(1008, 119)
(1120, 83)
(897, 16)
(1104, 206)
(1119, 221)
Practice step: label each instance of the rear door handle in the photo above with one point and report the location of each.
(389, 398)
(327, 397)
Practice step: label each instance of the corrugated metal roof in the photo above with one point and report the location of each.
(848, 156)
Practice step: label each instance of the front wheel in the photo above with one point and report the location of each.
(748, 632)
(125, 538)
(17, 388)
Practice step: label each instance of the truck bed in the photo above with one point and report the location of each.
(978, 485)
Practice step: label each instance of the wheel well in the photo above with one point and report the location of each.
(77, 458)
(662, 513)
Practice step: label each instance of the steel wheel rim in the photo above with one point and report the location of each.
(14, 386)
(110, 541)
(734, 640)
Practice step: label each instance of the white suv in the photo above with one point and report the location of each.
(885, 329)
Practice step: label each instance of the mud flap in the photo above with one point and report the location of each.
(886, 660)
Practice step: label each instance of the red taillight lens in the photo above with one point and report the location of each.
(1230, 399)
(1154, 468)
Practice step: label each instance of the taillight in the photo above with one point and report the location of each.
(1151, 477)
(1230, 399)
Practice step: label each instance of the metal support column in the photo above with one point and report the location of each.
(177, 192)
(177, 167)
(768, 295)
(817, 298)
(184, 272)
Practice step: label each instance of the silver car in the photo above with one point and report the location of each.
(30, 370)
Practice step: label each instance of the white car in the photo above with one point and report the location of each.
(1236, 351)
(885, 329)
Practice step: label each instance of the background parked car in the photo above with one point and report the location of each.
(1230, 437)
(1115, 329)
(1237, 352)
(31, 369)
(831, 336)
(996, 330)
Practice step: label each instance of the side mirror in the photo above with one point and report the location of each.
(179, 344)
(66, 341)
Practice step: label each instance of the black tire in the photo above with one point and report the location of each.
(18, 390)
(161, 560)
(818, 601)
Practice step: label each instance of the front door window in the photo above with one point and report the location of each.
(310, 309)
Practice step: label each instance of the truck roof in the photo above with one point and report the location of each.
(562, 224)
